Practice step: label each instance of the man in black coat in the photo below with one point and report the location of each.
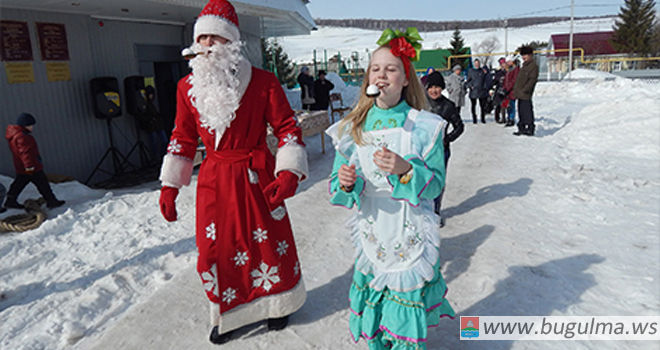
(322, 88)
(445, 108)
(523, 90)
(477, 83)
(306, 82)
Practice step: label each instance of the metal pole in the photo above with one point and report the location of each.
(506, 37)
(570, 42)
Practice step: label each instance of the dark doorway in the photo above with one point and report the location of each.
(166, 77)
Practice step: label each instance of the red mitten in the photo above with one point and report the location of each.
(283, 187)
(167, 206)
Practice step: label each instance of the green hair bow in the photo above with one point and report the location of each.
(402, 43)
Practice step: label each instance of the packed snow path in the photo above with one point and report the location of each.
(564, 223)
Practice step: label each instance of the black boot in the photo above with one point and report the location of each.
(54, 203)
(216, 338)
(276, 324)
(12, 203)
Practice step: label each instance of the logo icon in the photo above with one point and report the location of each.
(469, 326)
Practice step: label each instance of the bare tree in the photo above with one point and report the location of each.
(487, 47)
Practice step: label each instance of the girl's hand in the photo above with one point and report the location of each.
(391, 162)
(347, 175)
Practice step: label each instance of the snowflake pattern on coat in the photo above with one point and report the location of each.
(210, 280)
(265, 276)
(207, 126)
(241, 258)
(290, 139)
(260, 235)
(282, 246)
(229, 295)
(174, 147)
(210, 231)
(296, 268)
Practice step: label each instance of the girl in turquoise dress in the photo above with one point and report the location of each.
(389, 164)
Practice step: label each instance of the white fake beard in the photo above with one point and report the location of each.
(215, 85)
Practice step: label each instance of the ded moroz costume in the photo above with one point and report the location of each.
(247, 262)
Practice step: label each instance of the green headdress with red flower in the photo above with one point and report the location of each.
(405, 45)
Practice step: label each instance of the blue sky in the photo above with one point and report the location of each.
(442, 10)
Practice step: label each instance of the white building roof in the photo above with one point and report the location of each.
(276, 18)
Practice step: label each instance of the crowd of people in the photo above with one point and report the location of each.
(498, 90)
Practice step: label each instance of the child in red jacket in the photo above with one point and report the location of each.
(27, 163)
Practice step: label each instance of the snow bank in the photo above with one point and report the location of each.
(581, 73)
(88, 263)
(348, 40)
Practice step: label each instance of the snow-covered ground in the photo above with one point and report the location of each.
(348, 40)
(564, 223)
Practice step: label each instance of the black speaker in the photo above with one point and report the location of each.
(136, 97)
(105, 97)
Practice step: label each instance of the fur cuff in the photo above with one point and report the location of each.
(176, 171)
(293, 158)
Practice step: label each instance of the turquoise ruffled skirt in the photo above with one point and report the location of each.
(396, 320)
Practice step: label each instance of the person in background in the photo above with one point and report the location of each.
(306, 82)
(27, 163)
(155, 128)
(509, 81)
(3, 192)
(499, 94)
(445, 108)
(523, 91)
(429, 71)
(322, 88)
(476, 83)
(456, 88)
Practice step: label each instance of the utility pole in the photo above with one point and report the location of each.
(570, 42)
(506, 37)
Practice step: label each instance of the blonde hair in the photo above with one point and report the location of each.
(413, 94)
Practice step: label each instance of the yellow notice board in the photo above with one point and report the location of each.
(58, 71)
(19, 72)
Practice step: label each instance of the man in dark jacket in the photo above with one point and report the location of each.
(322, 88)
(523, 91)
(445, 108)
(27, 163)
(306, 82)
(476, 82)
(498, 91)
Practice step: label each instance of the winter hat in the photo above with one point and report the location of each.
(457, 67)
(25, 119)
(218, 18)
(435, 79)
(510, 58)
(526, 50)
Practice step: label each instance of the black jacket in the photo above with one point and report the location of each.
(443, 107)
(322, 90)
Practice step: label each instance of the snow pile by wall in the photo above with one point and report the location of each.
(586, 74)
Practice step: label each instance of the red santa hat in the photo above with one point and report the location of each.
(218, 18)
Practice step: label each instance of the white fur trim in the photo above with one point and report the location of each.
(271, 306)
(244, 77)
(211, 24)
(292, 157)
(176, 171)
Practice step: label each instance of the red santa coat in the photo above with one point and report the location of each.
(247, 255)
